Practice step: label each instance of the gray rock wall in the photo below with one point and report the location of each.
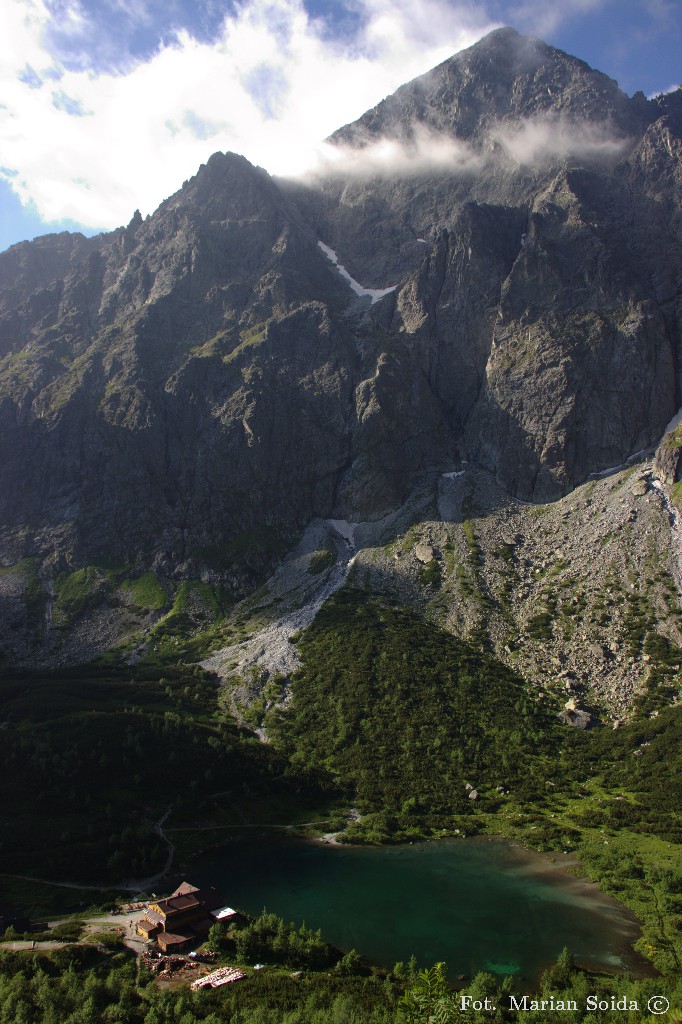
(207, 370)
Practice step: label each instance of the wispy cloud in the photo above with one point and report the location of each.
(544, 17)
(537, 141)
(532, 142)
(386, 157)
(666, 91)
(269, 85)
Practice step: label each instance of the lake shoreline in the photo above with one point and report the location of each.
(557, 868)
(507, 862)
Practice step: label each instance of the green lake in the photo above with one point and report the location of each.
(475, 904)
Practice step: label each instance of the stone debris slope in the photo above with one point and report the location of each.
(575, 595)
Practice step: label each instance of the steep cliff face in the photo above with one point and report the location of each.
(581, 371)
(181, 378)
(208, 371)
(556, 331)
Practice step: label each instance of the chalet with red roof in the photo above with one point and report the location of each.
(183, 918)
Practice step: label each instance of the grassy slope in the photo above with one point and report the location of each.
(402, 715)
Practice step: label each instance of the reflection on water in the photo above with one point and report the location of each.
(477, 905)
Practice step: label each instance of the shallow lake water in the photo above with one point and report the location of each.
(475, 904)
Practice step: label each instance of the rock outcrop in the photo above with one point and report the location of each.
(207, 372)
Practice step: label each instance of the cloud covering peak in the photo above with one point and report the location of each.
(107, 105)
(532, 142)
(93, 146)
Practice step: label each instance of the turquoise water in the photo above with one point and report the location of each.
(477, 905)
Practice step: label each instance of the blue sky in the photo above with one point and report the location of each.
(108, 105)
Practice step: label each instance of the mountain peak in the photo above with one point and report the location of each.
(208, 372)
(504, 77)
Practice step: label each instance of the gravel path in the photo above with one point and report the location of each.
(128, 885)
(126, 922)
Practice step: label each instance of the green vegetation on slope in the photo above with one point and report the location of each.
(404, 716)
(321, 560)
(146, 592)
(195, 607)
(77, 592)
(83, 985)
(92, 756)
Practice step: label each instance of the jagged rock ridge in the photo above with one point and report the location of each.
(207, 372)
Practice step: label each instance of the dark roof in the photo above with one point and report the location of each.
(189, 899)
(176, 904)
(184, 889)
(146, 925)
(209, 898)
(167, 939)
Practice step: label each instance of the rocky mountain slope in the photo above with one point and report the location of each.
(580, 595)
(180, 398)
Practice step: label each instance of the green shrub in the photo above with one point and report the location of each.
(146, 592)
(430, 575)
(77, 592)
(321, 560)
(403, 713)
(539, 626)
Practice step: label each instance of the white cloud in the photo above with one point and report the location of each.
(425, 150)
(533, 142)
(270, 87)
(540, 140)
(665, 92)
(544, 17)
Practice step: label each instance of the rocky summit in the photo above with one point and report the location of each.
(487, 270)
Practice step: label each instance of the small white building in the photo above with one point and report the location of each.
(223, 914)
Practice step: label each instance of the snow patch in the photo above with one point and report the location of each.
(374, 293)
(451, 476)
(630, 461)
(344, 528)
(423, 241)
(607, 472)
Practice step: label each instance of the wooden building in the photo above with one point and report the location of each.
(168, 942)
(148, 929)
(182, 918)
